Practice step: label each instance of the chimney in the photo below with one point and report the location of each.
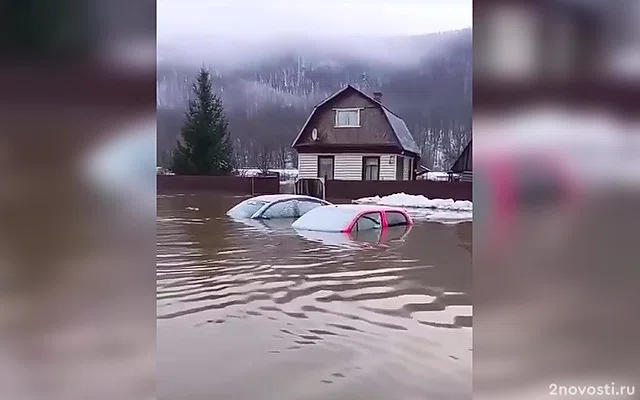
(377, 96)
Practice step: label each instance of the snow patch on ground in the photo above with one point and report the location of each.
(285, 174)
(417, 201)
(443, 217)
(446, 211)
(439, 176)
(163, 171)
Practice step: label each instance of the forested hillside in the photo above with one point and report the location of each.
(425, 79)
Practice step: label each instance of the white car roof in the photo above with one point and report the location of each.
(269, 198)
(334, 218)
(365, 207)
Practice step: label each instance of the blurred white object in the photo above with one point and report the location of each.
(600, 150)
(124, 166)
(136, 54)
(625, 63)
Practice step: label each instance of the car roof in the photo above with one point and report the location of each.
(276, 197)
(364, 207)
(336, 217)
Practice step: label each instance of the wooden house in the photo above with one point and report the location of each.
(463, 166)
(353, 136)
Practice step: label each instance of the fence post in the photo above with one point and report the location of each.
(253, 186)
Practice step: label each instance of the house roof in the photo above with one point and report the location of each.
(398, 126)
(402, 132)
(464, 161)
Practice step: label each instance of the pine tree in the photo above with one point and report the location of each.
(205, 148)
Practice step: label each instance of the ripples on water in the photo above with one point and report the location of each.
(248, 310)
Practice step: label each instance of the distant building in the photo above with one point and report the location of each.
(421, 170)
(353, 136)
(463, 165)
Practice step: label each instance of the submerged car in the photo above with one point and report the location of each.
(357, 238)
(264, 225)
(349, 218)
(275, 206)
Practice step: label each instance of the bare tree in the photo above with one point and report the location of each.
(265, 158)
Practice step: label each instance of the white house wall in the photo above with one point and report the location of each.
(307, 165)
(387, 167)
(347, 166)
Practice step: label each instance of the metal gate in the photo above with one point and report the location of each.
(311, 187)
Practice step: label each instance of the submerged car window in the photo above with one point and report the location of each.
(367, 235)
(246, 209)
(395, 218)
(283, 209)
(305, 206)
(369, 221)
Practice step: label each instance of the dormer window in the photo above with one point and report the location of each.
(348, 118)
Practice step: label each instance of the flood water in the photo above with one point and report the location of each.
(254, 311)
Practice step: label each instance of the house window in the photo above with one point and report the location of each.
(399, 168)
(325, 167)
(348, 117)
(370, 168)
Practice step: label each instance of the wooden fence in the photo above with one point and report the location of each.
(229, 184)
(351, 190)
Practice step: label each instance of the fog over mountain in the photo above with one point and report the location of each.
(270, 84)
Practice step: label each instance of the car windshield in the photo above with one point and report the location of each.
(326, 219)
(246, 209)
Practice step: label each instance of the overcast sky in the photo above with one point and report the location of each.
(265, 18)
